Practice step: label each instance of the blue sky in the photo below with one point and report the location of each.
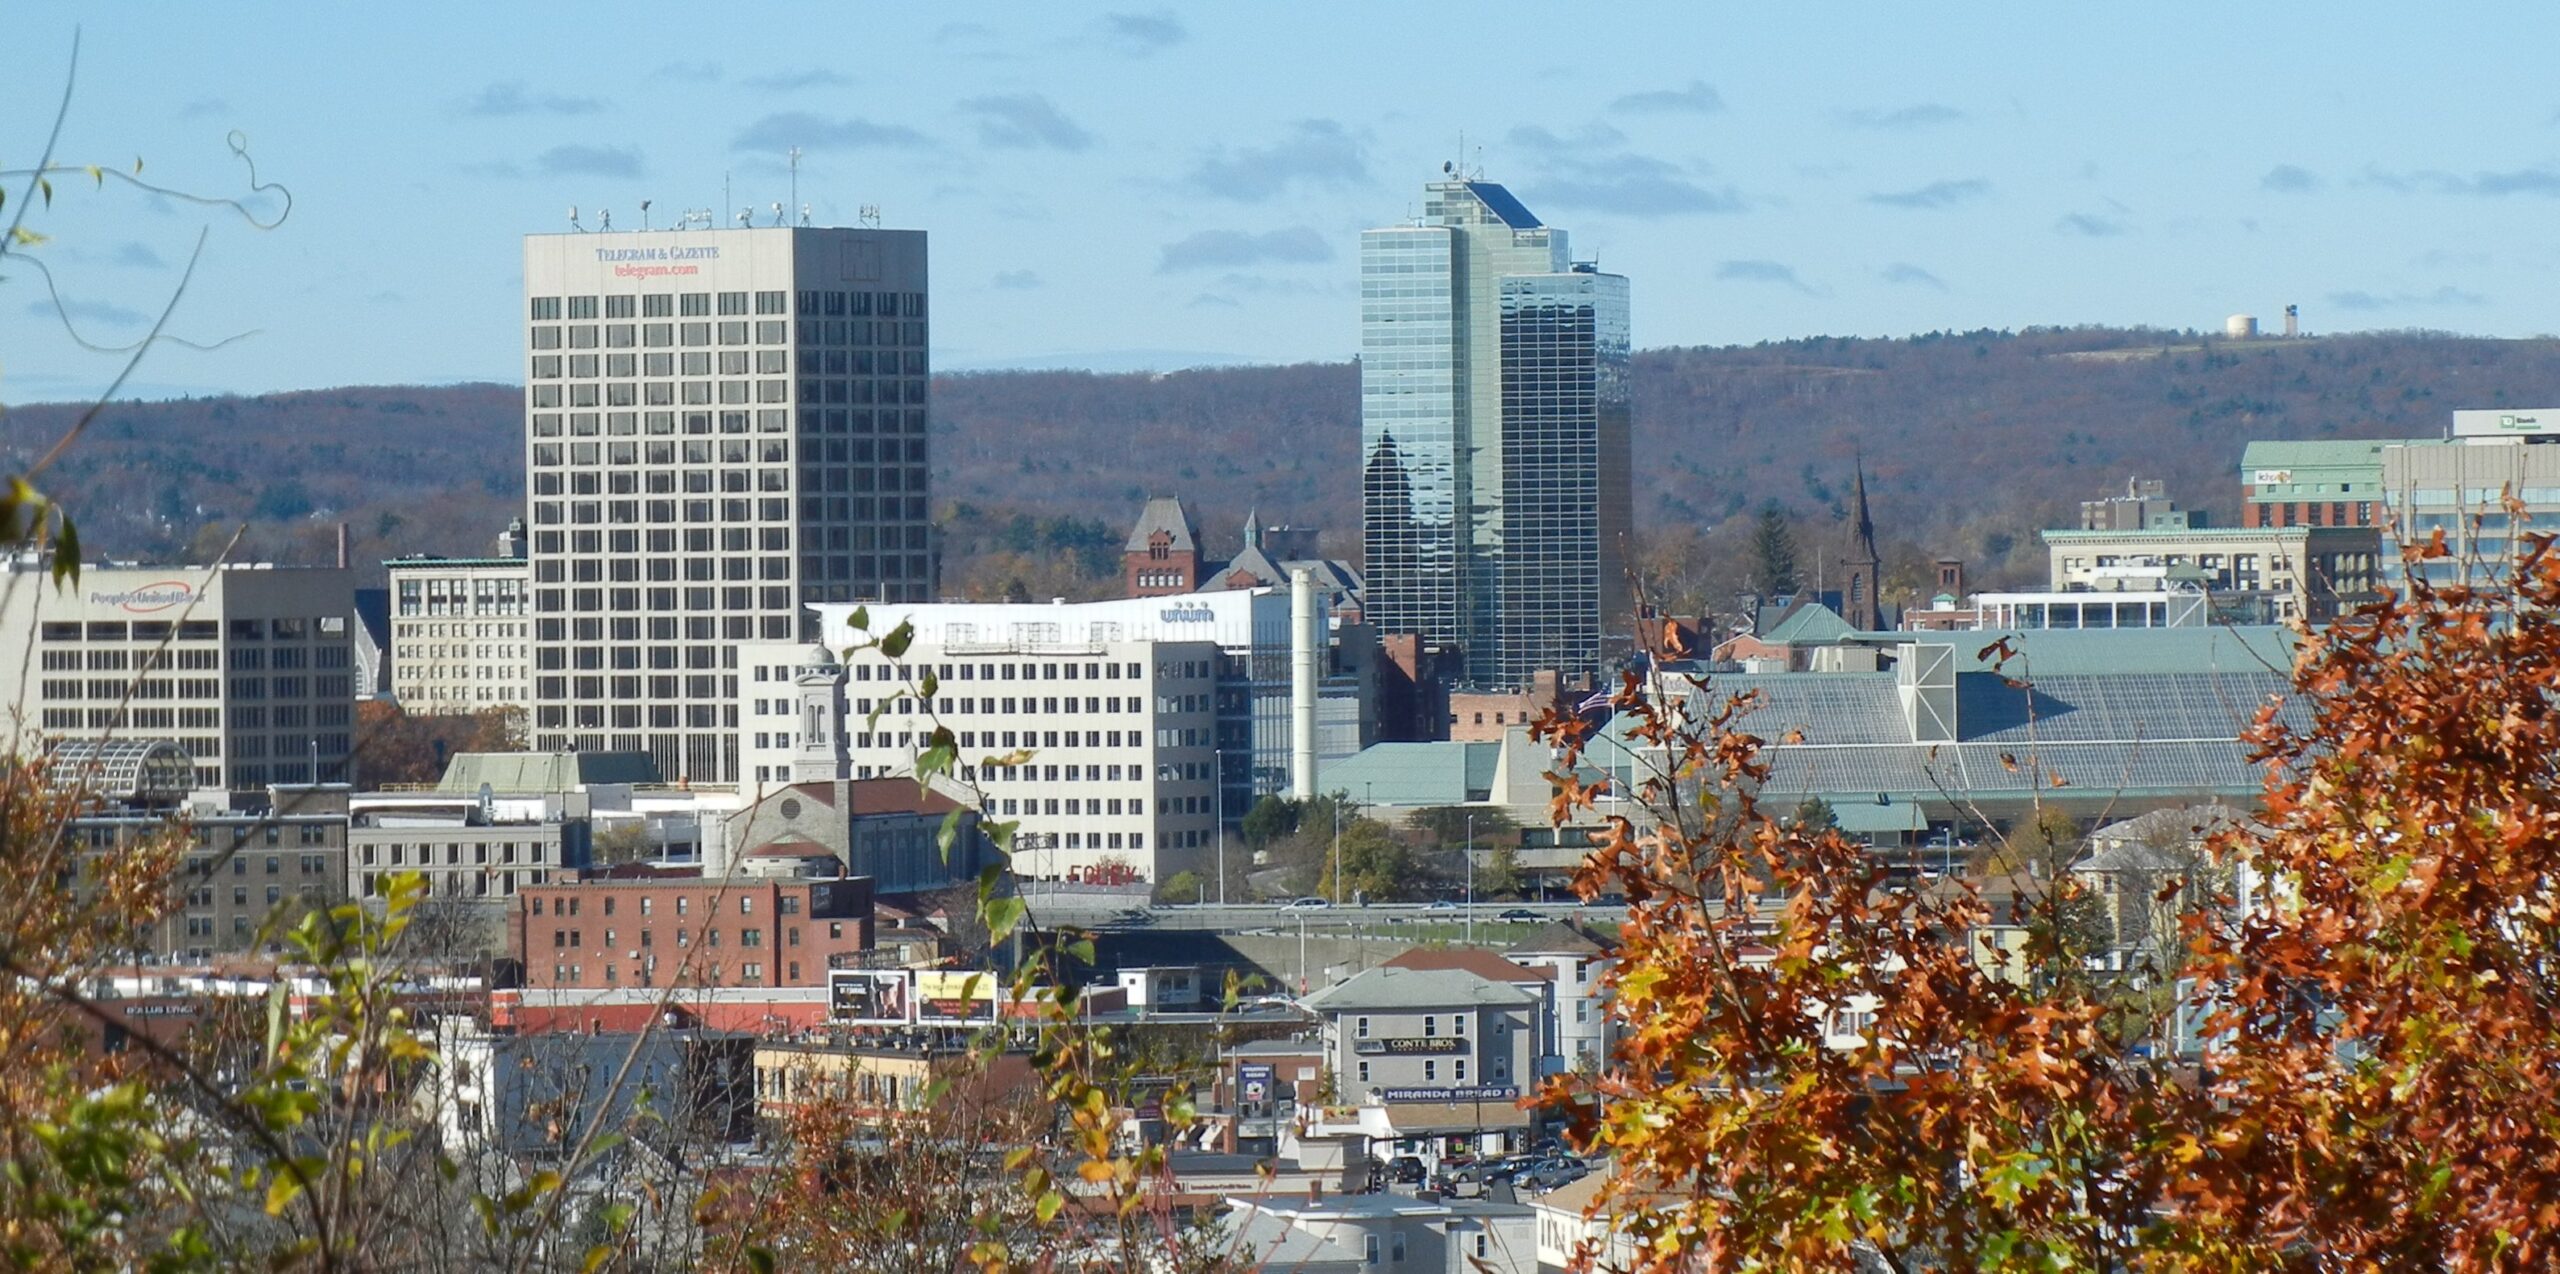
(1153, 187)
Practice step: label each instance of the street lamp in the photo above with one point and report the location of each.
(1471, 879)
(1337, 846)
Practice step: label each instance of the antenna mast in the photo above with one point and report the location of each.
(795, 176)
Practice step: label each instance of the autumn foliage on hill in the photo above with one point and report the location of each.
(1860, 1080)
(1972, 442)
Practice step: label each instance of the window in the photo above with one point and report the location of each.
(1361, 1027)
(1364, 1072)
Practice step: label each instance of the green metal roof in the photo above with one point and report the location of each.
(1413, 774)
(2325, 453)
(1811, 622)
(545, 771)
(2062, 652)
(1866, 818)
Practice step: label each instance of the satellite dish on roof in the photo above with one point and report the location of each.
(488, 803)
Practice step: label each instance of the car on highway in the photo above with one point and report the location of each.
(1309, 903)
(1520, 914)
(1441, 904)
(1551, 1175)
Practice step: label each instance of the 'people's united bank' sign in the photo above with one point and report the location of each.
(148, 598)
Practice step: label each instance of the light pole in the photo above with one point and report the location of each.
(1222, 833)
(1302, 953)
(1471, 879)
(1337, 848)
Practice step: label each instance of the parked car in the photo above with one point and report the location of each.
(1520, 913)
(1309, 903)
(1406, 1170)
(1548, 1178)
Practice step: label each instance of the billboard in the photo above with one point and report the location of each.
(869, 997)
(1255, 1084)
(956, 995)
(2506, 422)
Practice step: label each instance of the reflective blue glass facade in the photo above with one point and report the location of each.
(1494, 444)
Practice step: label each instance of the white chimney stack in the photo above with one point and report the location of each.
(1305, 632)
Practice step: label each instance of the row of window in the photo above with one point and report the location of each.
(288, 629)
(833, 304)
(399, 853)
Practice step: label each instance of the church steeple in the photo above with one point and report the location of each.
(1253, 527)
(1858, 601)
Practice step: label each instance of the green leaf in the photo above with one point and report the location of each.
(899, 638)
(281, 1193)
(760, 1260)
(1003, 916)
(859, 620)
(66, 553)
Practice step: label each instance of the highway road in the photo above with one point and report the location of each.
(1338, 920)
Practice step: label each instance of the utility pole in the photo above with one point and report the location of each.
(1337, 849)
(1222, 832)
(1302, 953)
(1471, 879)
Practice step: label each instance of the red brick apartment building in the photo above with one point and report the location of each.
(687, 931)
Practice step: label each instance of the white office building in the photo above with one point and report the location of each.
(722, 427)
(462, 630)
(1128, 711)
(246, 667)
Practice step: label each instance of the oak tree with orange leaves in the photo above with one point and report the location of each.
(1826, 1068)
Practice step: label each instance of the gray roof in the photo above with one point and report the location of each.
(1163, 513)
(2129, 845)
(545, 771)
(2133, 734)
(1387, 987)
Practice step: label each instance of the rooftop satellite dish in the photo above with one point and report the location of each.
(1447, 168)
(777, 212)
(746, 217)
(573, 218)
(804, 214)
(644, 214)
(607, 223)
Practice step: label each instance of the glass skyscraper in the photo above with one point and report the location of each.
(1493, 421)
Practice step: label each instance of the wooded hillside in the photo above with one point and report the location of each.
(1971, 442)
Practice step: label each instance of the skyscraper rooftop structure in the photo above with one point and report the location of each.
(721, 427)
(1494, 405)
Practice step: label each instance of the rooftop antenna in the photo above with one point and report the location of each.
(573, 220)
(644, 214)
(795, 174)
(724, 189)
(869, 216)
(804, 214)
(777, 212)
(607, 223)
